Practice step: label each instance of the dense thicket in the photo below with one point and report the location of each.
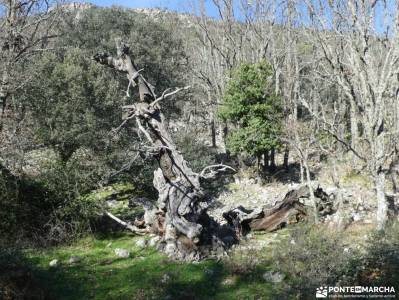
(61, 135)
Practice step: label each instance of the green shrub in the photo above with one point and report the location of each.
(49, 207)
(314, 257)
(381, 261)
(254, 109)
(196, 153)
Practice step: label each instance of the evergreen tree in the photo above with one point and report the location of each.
(254, 110)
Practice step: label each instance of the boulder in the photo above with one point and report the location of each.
(122, 253)
(74, 259)
(141, 243)
(154, 241)
(274, 277)
(165, 278)
(54, 263)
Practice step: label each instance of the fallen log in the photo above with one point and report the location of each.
(288, 211)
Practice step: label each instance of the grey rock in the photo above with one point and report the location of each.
(54, 263)
(154, 241)
(165, 278)
(141, 243)
(123, 253)
(356, 217)
(74, 259)
(228, 281)
(274, 277)
(112, 203)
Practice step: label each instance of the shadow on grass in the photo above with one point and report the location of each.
(17, 280)
(148, 274)
(153, 277)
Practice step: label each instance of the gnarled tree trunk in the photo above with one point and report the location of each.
(184, 224)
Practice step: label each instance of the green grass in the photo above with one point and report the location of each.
(101, 275)
(353, 177)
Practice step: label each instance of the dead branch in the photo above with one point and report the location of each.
(126, 225)
(213, 173)
(164, 96)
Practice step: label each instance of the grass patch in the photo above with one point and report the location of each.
(355, 178)
(308, 257)
(147, 274)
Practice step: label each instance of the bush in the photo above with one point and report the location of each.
(48, 208)
(23, 208)
(196, 153)
(16, 277)
(314, 257)
(254, 109)
(71, 213)
(381, 261)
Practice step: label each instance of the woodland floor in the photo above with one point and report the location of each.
(147, 274)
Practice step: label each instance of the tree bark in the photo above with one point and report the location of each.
(181, 202)
(354, 125)
(213, 133)
(290, 210)
(266, 160)
(382, 205)
(286, 157)
(311, 192)
(273, 159)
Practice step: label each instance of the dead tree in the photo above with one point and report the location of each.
(181, 208)
(290, 210)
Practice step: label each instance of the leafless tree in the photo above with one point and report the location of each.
(357, 43)
(25, 29)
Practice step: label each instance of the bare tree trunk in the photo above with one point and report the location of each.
(286, 157)
(213, 133)
(182, 203)
(354, 125)
(311, 192)
(273, 159)
(266, 160)
(382, 205)
(301, 171)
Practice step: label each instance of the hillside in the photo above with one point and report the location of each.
(148, 154)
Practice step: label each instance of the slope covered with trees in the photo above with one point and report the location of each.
(187, 134)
